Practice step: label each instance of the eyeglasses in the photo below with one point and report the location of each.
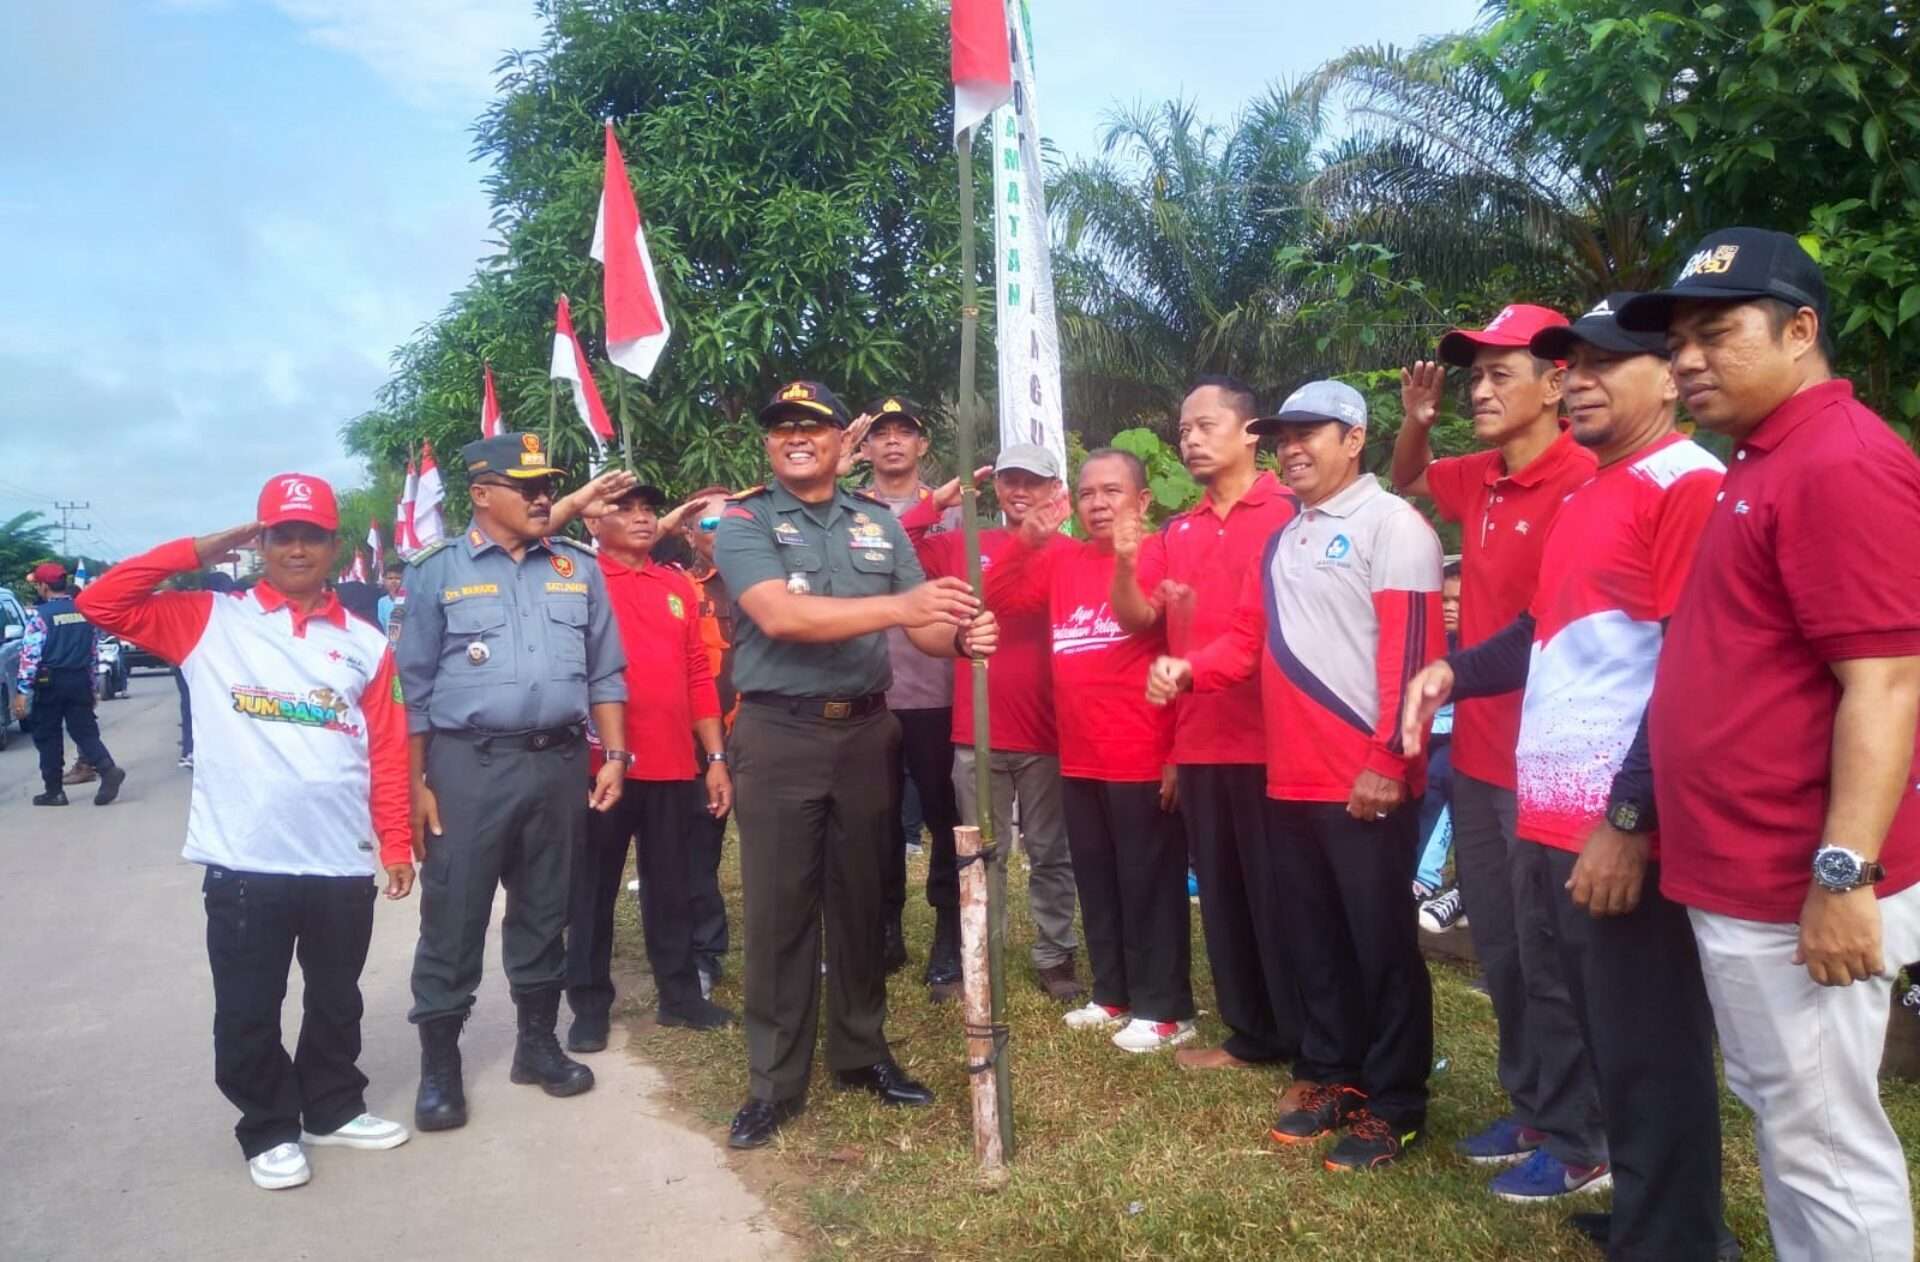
(528, 489)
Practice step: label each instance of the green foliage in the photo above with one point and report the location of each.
(794, 165)
(1172, 487)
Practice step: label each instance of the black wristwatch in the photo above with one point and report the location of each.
(1839, 870)
(1629, 817)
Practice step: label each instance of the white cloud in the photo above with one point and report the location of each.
(435, 53)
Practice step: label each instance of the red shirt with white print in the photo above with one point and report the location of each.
(300, 737)
(1020, 677)
(1107, 729)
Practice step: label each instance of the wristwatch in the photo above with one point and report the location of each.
(620, 755)
(716, 758)
(1839, 870)
(1629, 817)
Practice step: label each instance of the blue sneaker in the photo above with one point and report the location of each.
(1502, 1143)
(1543, 1176)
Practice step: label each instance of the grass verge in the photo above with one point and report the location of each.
(1126, 1157)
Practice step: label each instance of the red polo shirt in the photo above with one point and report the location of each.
(1504, 519)
(1808, 558)
(1214, 555)
(669, 678)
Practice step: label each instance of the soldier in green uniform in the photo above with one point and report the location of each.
(508, 646)
(819, 574)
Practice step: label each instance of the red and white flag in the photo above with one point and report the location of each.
(982, 62)
(373, 546)
(357, 572)
(403, 537)
(637, 328)
(429, 493)
(491, 426)
(570, 365)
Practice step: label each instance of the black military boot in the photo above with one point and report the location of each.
(55, 796)
(943, 961)
(592, 1026)
(441, 1104)
(893, 954)
(537, 1056)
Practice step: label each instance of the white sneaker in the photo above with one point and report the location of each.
(282, 1166)
(1095, 1016)
(1151, 1036)
(366, 1131)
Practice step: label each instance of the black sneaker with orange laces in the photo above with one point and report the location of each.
(1323, 1110)
(1369, 1144)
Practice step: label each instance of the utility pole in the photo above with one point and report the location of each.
(67, 524)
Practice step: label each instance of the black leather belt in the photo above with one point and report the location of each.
(545, 738)
(820, 707)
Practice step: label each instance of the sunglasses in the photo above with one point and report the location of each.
(528, 489)
(709, 524)
(805, 429)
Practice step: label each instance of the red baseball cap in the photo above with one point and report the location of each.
(1513, 327)
(47, 572)
(298, 497)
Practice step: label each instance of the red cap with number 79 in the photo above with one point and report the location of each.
(298, 497)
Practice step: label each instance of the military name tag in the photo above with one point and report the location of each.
(478, 653)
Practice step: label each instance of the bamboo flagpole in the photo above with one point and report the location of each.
(982, 82)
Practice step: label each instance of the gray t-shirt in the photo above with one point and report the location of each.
(919, 682)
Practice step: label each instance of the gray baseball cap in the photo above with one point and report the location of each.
(1028, 458)
(1313, 403)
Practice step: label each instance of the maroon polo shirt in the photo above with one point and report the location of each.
(1808, 558)
(1504, 518)
(1214, 555)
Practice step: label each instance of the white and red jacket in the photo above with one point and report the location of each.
(300, 744)
(1342, 611)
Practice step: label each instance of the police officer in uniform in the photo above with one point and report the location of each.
(508, 647)
(819, 574)
(56, 680)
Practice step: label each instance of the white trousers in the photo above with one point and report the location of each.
(1806, 1059)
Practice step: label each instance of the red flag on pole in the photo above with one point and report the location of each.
(982, 61)
(637, 329)
(570, 365)
(429, 493)
(491, 425)
(404, 539)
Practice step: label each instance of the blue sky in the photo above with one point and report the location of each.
(219, 217)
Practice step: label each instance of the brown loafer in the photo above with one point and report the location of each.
(1209, 1058)
(1294, 1097)
(1061, 984)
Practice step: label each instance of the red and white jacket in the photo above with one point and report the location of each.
(300, 737)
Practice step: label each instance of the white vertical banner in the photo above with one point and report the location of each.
(1025, 330)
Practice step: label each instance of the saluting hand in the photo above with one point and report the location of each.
(1168, 678)
(607, 786)
(1426, 693)
(221, 547)
(592, 500)
(850, 452)
(938, 600)
(1420, 389)
(982, 635)
(399, 880)
(947, 494)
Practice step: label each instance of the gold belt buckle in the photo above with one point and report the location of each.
(837, 709)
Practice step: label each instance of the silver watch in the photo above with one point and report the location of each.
(716, 758)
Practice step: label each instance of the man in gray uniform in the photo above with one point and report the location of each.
(922, 699)
(818, 575)
(508, 643)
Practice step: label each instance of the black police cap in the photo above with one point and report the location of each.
(513, 455)
(897, 407)
(806, 400)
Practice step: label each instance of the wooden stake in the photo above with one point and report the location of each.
(977, 1008)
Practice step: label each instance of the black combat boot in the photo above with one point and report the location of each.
(893, 952)
(537, 1056)
(441, 1104)
(943, 961)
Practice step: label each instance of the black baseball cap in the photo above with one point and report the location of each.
(1735, 265)
(652, 496)
(897, 407)
(805, 400)
(1599, 327)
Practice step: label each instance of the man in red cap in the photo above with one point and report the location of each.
(1504, 499)
(55, 687)
(301, 760)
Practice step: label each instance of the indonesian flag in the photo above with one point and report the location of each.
(403, 537)
(570, 365)
(428, 495)
(982, 62)
(491, 426)
(357, 573)
(373, 546)
(637, 329)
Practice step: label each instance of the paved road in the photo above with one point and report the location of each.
(115, 1144)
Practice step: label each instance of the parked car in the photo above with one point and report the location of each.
(13, 630)
(136, 658)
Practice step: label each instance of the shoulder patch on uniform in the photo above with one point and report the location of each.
(431, 549)
(571, 542)
(747, 494)
(862, 493)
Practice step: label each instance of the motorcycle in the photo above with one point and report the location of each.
(110, 671)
